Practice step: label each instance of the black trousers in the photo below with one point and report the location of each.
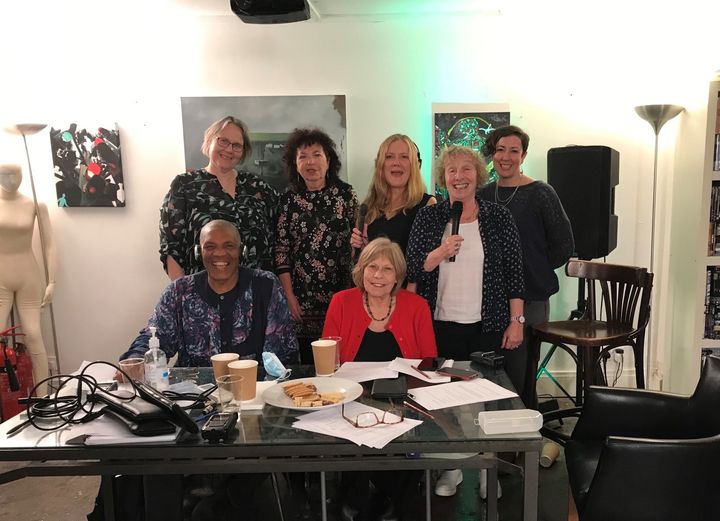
(457, 341)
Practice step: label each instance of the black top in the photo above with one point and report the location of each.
(196, 198)
(545, 233)
(378, 347)
(397, 228)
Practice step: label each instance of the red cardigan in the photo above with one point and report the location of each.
(410, 324)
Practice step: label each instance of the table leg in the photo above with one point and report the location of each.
(108, 496)
(428, 495)
(531, 471)
(492, 493)
(323, 497)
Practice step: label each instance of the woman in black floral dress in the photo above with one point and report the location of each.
(312, 249)
(218, 191)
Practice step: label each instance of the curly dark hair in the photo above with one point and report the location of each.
(305, 137)
(496, 135)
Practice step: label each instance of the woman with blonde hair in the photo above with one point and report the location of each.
(221, 190)
(396, 194)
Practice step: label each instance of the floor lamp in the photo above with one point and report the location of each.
(657, 116)
(24, 130)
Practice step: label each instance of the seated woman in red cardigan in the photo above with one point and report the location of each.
(378, 321)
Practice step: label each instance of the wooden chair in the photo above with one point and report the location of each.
(622, 295)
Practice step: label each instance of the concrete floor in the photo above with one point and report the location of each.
(71, 498)
(47, 499)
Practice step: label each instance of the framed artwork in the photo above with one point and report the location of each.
(466, 124)
(270, 120)
(88, 165)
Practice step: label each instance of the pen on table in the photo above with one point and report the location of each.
(19, 427)
(418, 409)
(421, 372)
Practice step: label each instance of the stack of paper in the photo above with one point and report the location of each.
(459, 393)
(331, 422)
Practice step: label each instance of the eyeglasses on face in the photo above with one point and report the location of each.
(224, 143)
(369, 419)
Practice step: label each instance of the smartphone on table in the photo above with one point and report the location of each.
(458, 374)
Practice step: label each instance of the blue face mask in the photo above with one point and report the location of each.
(274, 367)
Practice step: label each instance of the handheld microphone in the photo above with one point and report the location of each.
(362, 213)
(455, 213)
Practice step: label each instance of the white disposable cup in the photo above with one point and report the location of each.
(220, 363)
(324, 357)
(248, 370)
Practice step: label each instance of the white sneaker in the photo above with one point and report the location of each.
(483, 485)
(446, 486)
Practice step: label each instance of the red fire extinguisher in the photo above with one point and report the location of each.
(9, 357)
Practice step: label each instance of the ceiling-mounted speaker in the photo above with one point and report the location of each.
(270, 11)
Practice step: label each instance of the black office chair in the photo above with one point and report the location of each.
(639, 455)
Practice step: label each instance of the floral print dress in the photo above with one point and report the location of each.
(313, 246)
(196, 198)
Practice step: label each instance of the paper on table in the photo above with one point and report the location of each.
(365, 371)
(459, 393)
(404, 365)
(331, 422)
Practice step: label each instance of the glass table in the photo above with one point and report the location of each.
(266, 441)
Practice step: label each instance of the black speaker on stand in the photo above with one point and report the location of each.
(585, 178)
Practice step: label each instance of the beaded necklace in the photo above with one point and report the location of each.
(367, 305)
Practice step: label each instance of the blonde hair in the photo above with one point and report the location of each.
(378, 197)
(455, 151)
(213, 130)
(380, 247)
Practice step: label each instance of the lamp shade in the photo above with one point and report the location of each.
(658, 115)
(25, 129)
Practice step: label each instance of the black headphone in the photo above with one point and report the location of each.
(417, 149)
(197, 253)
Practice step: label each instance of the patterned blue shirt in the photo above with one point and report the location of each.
(502, 271)
(189, 325)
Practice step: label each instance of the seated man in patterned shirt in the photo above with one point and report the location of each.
(226, 308)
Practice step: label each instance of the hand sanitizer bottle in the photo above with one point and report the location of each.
(156, 367)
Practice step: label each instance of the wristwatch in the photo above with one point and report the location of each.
(518, 318)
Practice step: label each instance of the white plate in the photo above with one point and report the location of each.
(329, 384)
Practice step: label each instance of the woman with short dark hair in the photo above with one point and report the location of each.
(545, 234)
(312, 249)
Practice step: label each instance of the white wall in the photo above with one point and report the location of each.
(571, 75)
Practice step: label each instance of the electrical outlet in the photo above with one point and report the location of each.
(618, 355)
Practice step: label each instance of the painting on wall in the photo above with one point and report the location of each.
(465, 124)
(88, 165)
(270, 120)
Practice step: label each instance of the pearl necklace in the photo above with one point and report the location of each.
(504, 202)
(367, 305)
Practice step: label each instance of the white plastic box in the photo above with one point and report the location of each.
(509, 422)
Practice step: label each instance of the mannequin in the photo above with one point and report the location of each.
(21, 279)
